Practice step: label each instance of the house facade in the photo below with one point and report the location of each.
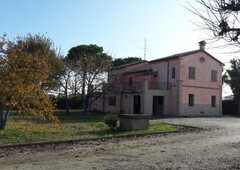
(185, 84)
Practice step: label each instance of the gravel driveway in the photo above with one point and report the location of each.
(217, 146)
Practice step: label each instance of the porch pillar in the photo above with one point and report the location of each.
(144, 95)
(179, 97)
(220, 100)
(120, 98)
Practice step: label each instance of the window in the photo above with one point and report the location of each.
(112, 101)
(214, 75)
(213, 101)
(173, 72)
(192, 72)
(191, 100)
(130, 81)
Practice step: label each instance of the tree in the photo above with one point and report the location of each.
(232, 77)
(22, 75)
(46, 46)
(128, 60)
(92, 64)
(221, 18)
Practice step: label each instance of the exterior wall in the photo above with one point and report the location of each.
(202, 102)
(176, 98)
(161, 68)
(97, 104)
(176, 64)
(203, 70)
(148, 100)
(202, 87)
(126, 102)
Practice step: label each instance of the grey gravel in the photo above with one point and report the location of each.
(216, 146)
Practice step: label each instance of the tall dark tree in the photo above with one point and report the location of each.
(128, 60)
(232, 78)
(92, 64)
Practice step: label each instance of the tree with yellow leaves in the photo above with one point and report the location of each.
(22, 76)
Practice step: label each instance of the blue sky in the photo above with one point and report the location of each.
(119, 26)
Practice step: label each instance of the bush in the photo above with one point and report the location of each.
(229, 107)
(111, 120)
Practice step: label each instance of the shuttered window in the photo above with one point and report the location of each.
(192, 71)
(214, 75)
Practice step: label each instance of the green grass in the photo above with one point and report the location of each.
(73, 126)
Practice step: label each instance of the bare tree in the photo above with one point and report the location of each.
(221, 17)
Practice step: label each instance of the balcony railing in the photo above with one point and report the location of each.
(134, 86)
(159, 85)
(137, 86)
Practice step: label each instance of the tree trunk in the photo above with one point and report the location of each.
(83, 88)
(67, 106)
(3, 120)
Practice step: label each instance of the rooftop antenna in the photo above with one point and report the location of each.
(145, 48)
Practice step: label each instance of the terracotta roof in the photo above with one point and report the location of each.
(141, 69)
(183, 55)
(130, 64)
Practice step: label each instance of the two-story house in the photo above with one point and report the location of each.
(185, 84)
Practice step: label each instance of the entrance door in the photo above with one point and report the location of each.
(136, 104)
(158, 105)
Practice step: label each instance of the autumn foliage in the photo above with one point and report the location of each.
(22, 75)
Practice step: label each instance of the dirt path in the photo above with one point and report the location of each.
(215, 147)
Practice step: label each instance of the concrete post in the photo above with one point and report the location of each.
(144, 94)
(179, 97)
(220, 100)
(120, 98)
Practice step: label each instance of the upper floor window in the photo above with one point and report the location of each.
(192, 71)
(130, 81)
(214, 75)
(173, 72)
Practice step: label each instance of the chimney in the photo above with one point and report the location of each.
(202, 45)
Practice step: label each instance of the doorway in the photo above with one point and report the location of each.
(158, 102)
(136, 104)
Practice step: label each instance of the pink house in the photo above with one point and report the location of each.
(185, 84)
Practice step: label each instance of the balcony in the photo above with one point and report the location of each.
(159, 85)
(138, 86)
(134, 86)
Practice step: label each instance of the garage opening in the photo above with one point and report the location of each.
(158, 103)
(136, 104)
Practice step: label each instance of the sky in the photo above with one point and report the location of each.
(119, 26)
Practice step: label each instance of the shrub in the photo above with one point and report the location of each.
(229, 107)
(111, 120)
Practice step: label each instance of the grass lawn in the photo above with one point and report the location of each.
(73, 126)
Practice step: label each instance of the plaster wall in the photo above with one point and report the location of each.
(203, 70)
